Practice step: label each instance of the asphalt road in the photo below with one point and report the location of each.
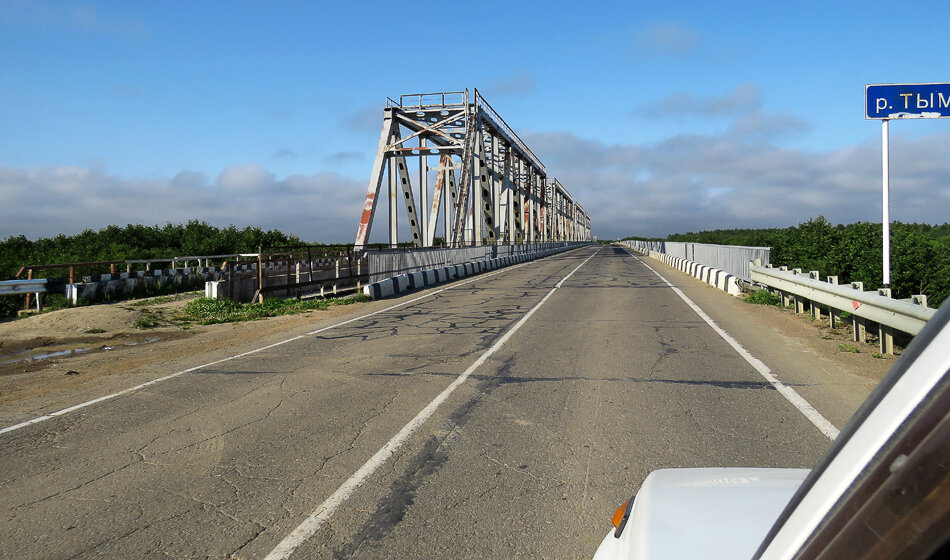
(614, 375)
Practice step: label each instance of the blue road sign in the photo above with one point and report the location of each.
(907, 101)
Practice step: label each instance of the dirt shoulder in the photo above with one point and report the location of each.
(63, 351)
(861, 359)
(835, 345)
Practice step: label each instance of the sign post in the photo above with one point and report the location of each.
(886, 191)
(900, 101)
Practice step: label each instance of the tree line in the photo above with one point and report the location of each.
(134, 241)
(920, 253)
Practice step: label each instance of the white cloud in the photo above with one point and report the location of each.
(738, 178)
(249, 178)
(744, 98)
(367, 120)
(521, 83)
(82, 17)
(697, 182)
(667, 38)
(42, 202)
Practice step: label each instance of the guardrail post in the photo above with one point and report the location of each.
(814, 309)
(799, 300)
(287, 274)
(834, 315)
(29, 276)
(230, 271)
(786, 300)
(858, 324)
(885, 334)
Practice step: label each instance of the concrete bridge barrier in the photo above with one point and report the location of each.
(715, 277)
(386, 287)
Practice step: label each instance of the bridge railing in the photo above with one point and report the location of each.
(808, 290)
(734, 259)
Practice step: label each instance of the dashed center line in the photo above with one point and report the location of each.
(324, 511)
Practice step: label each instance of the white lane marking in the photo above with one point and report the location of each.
(790, 394)
(325, 510)
(73, 408)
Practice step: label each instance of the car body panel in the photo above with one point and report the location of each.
(710, 513)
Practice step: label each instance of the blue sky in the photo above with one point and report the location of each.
(658, 117)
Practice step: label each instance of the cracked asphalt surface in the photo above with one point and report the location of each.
(613, 377)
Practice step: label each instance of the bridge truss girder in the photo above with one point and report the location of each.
(501, 194)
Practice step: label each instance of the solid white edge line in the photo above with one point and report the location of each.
(325, 510)
(799, 402)
(51, 415)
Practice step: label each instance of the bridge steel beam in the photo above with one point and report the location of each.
(489, 186)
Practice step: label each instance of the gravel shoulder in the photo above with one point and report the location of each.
(62, 351)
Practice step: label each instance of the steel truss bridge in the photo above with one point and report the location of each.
(490, 188)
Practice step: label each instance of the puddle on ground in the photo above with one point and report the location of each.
(25, 356)
(149, 341)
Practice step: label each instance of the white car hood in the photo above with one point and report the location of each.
(715, 514)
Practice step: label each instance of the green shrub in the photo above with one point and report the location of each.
(209, 311)
(920, 253)
(764, 297)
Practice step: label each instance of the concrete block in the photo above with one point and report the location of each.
(401, 283)
(72, 293)
(215, 289)
(385, 288)
(416, 280)
(430, 277)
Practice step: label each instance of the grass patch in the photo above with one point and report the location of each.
(146, 321)
(162, 299)
(877, 355)
(848, 348)
(94, 331)
(763, 297)
(207, 311)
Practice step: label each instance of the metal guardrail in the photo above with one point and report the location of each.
(17, 287)
(907, 316)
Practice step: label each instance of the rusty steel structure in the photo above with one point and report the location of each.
(489, 187)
